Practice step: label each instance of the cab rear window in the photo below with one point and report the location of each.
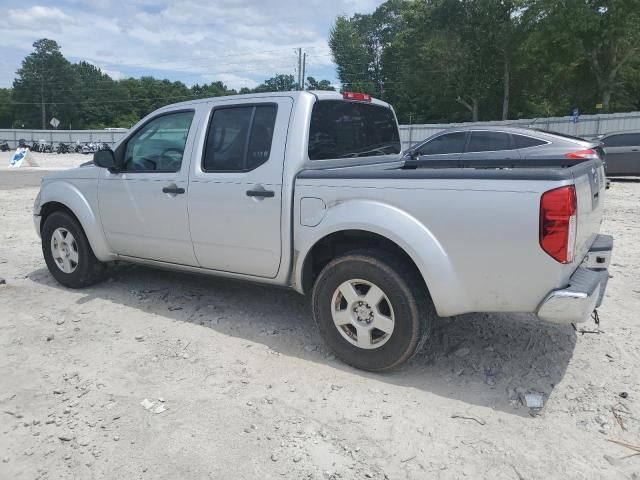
(342, 129)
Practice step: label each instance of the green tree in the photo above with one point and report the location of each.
(214, 89)
(278, 83)
(6, 108)
(358, 45)
(596, 38)
(45, 86)
(313, 84)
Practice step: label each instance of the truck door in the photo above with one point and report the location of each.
(143, 208)
(235, 190)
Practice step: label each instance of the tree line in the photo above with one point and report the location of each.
(460, 60)
(81, 96)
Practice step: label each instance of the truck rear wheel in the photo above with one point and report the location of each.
(67, 252)
(372, 309)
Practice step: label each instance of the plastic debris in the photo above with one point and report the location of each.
(147, 404)
(534, 400)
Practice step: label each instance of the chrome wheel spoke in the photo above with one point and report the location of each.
(374, 296)
(364, 337)
(349, 292)
(66, 265)
(58, 237)
(341, 317)
(73, 256)
(382, 323)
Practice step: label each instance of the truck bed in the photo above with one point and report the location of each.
(482, 220)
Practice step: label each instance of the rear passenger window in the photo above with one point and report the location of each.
(482, 141)
(622, 140)
(239, 138)
(521, 141)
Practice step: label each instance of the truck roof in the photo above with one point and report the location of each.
(318, 94)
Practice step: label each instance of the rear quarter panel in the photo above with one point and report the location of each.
(476, 243)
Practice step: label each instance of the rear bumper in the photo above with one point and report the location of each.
(586, 289)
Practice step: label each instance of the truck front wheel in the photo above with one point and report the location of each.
(67, 252)
(372, 309)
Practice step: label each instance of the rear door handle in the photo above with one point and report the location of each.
(260, 193)
(173, 189)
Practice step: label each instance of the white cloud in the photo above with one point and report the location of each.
(240, 42)
(44, 19)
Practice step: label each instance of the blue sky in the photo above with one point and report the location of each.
(239, 42)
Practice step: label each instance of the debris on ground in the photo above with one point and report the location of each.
(534, 400)
(467, 417)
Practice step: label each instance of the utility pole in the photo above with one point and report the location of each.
(304, 68)
(44, 117)
(299, 68)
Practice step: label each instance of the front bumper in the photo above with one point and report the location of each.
(587, 285)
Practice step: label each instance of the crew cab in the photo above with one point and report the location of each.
(310, 190)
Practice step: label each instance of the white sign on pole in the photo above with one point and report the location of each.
(54, 122)
(22, 156)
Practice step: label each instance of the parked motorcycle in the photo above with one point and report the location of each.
(90, 147)
(63, 148)
(45, 147)
(22, 143)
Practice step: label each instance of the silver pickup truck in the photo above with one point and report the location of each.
(310, 190)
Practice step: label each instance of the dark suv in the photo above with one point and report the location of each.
(622, 150)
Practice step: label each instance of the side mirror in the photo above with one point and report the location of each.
(105, 159)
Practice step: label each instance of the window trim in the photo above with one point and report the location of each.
(124, 144)
(442, 134)
(512, 141)
(544, 142)
(246, 145)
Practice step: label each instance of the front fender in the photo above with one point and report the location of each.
(70, 196)
(406, 231)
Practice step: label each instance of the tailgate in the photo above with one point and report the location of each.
(590, 182)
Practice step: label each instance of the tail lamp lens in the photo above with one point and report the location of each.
(559, 222)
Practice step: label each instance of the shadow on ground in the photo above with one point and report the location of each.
(487, 360)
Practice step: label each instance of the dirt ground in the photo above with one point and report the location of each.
(243, 387)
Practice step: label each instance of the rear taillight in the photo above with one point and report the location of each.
(361, 97)
(586, 154)
(558, 223)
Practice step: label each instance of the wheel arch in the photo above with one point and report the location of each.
(380, 226)
(62, 196)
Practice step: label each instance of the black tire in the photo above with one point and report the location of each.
(88, 270)
(405, 290)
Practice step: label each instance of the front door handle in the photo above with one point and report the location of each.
(260, 193)
(175, 190)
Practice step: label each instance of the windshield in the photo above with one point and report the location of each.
(342, 129)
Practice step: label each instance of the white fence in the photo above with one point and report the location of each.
(60, 136)
(586, 126)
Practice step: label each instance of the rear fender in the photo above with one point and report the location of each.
(401, 228)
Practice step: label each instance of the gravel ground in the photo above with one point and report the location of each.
(242, 386)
